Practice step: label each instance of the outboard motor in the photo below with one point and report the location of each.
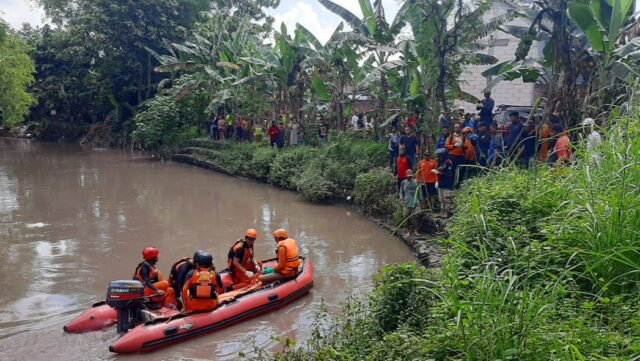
(127, 298)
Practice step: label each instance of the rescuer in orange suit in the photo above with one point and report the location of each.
(241, 260)
(288, 258)
(200, 291)
(147, 273)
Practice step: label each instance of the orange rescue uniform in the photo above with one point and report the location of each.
(545, 147)
(200, 292)
(244, 252)
(288, 258)
(146, 272)
(425, 174)
(451, 145)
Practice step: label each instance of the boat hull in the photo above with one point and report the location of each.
(161, 333)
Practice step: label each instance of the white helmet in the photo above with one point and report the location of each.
(588, 122)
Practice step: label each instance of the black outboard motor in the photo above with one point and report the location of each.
(127, 297)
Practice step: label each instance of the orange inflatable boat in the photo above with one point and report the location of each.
(145, 330)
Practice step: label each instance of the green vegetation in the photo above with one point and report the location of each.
(544, 264)
(16, 74)
(321, 174)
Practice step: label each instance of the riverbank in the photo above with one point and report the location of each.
(347, 172)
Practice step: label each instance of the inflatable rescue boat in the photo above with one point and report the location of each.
(145, 329)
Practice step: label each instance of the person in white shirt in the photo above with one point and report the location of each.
(594, 140)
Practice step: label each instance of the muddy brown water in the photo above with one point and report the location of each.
(74, 218)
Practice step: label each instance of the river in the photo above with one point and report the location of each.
(72, 219)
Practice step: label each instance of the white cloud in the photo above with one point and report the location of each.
(17, 12)
(315, 17)
(306, 15)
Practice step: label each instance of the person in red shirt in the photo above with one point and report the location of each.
(274, 131)
(427, 176)
(403, 164)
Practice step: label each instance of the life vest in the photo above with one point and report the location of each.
(203, 284)
(292, 257)
(179, 270)
(247, 254)
(154, 274)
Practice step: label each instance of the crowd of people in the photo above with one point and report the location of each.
(281, 132)
(468, 144)
(194, 285)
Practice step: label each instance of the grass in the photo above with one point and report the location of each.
(543, 264)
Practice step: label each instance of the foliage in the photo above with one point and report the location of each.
(543, 264)
(16, 74)
(371, 190)
(288, 166)
(162, 126)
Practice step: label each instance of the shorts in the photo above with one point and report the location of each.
(428, 189)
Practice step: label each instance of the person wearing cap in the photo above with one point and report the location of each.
(427, 178)
(241, 260)
(288, 255)
(469, 122)
(514, 133)
(594, 140)
(411, 196)
(147, 273)
(562, 149)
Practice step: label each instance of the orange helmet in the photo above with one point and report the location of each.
(280, 233)
(251, 233)
(150, 253)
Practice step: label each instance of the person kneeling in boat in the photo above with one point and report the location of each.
(179, 272)
(200, 291)
(241, 261)
(288, 258)
(147, 273)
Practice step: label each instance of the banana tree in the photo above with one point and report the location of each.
(207, 62)
(377, 36)
(447, 36)
(615, 58)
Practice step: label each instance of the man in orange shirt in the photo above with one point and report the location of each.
(427, 177)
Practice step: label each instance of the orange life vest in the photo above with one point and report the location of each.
(247, 256)
(155, 275)
(203, 284)
(176, 268)
(292, 257)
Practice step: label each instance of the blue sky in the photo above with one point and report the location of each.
(309, 13)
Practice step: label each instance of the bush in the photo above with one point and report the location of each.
(260, 166)
(289, 164)
(161, 127)
(375, 193)
(313, 185)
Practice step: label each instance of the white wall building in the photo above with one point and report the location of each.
(503, 46)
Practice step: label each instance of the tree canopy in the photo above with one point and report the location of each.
(16, 75)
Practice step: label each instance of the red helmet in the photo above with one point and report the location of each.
(150, 253)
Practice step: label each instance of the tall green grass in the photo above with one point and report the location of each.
(543, 264)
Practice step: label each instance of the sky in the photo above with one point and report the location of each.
(310, 13)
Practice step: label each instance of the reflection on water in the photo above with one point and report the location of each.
(72, 219)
